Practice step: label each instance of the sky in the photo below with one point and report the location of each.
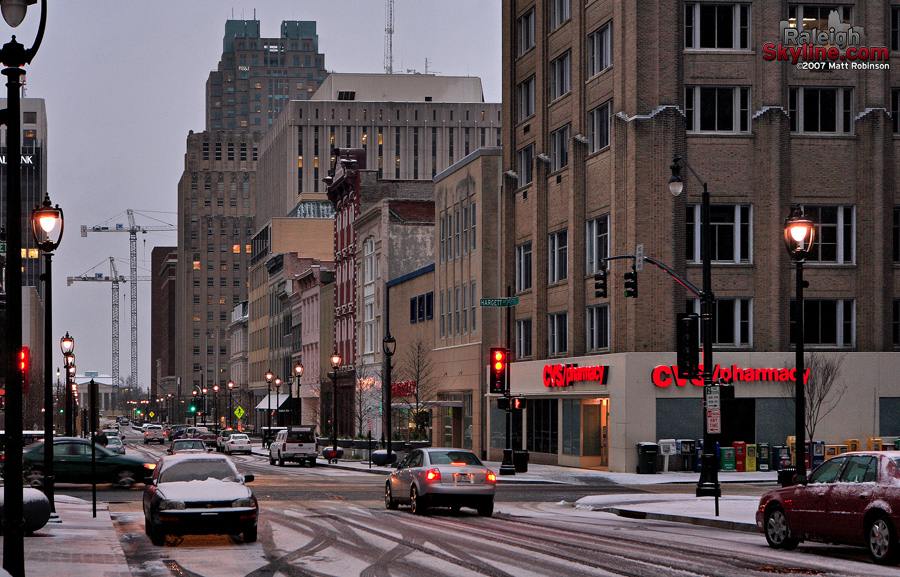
(124, 83)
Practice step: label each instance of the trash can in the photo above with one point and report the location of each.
(763, 457)
(750, 460)
(786, 476)
(726, 459)
(520, 461)
(647, 458)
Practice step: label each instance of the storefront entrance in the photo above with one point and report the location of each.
(595, 427)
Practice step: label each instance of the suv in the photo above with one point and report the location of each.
(154, 433)
(295, 444)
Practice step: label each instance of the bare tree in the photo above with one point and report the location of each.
(418, 369)
(366, 397)
(822, 391)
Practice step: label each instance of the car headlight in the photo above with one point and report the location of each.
(150, 466)
(165, 505)
(248, 502)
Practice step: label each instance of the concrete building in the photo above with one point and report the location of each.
(163, 315)
(599, 98)
(238, 357)
(306, 306)
(468, 267)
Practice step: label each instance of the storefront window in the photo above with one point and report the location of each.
(542, 426)
(456, 422)
(498, 427)
(571, 427)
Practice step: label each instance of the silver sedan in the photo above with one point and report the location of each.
(441, 477)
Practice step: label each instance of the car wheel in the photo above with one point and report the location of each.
(455, 508)
(157, 537)
(271, 459)
(312, 462)
(486, 509)
(250, 535)
(125, 479)
(36, 479)
(416, 507)
(389, 502)
(778, 534)
(281, 460)
(881, 539)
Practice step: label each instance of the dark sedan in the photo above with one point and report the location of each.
(72, 464)
(199, 494)
(851, 499)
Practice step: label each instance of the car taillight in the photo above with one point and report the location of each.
(458, 464)
(433, 475)
(232, 442)
(146, 433)
(491, 477)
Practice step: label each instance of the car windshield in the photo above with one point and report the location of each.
(181, 446)
(300, 437)
(198, 470)
(114, 441)
(449, 457)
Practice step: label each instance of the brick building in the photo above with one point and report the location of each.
(599, 96)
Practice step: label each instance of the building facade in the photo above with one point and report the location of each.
(163, 314)
(600, 97)
(306, 306)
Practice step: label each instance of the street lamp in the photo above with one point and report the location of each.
(216, 398)
(194, 404)
(278, 402)
(389, 347)
(230, 386)
(298, 372)
(269, 377)
(335, 363)
(14, 57)
(799, 236)
(708, 485)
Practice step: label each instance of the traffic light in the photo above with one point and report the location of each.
(503, 403)
(687, 331)
(631, 283)
(517, 403)
(24, 368)
(499, 371)
(193, 408)
(600, 284)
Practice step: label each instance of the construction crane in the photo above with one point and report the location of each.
(132, 229)
(115, 278)
(389, 37)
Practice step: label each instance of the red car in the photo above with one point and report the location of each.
(851, 499)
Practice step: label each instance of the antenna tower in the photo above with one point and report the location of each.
(389, 37)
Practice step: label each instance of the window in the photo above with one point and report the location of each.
(465, 312)
(523, 267)
(596, 242)
(456, 311)
(542, 425)
(806, 17)
(523, 338)
(598, 127)
(465, 230)
(525, 98)
(524, 164)
(732, 321)
(443, 238)
(571, 422)
(559, 147)
(525, 32)
(558, 266)
(731, 233)
(442, 314)
(600, 49)
(456, 233)
(472, 231)
(827, 322)
(429, 306)
(196, 299)
(597, 319)
(895, 108)
(472, 302)
(717, 109)
(369, 327)
(896, 323)
(717, 26)
(821, 110)
(896, 234)
(561, 75)
(369, 260)
(560, 12)
(557, 333)
(835, 240)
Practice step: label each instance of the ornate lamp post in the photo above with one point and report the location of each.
(389, 347)
(277, 401)
(67, 346)
(14, 56)
(336, 361)
(269, 377)
(230, 386)
(216, 402)
(799, 236)
(298, 372)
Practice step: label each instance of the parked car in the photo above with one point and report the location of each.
(198, 495)
(294, 444)
(238, 443)
(223, 437)
(187, 446)
(441, 477)
(115, 445)
(154, 434)
(72, 464)
(851, 499)
(201, 433)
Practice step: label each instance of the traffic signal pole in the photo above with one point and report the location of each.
(507, 467)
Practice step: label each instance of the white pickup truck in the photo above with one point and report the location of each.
(297, 443)
(154, 434)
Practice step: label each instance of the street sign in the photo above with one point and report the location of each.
(714, 422)
(639, 258)
(3, 247)
(152, 414)
(713, 402)
(505, 302)
(239, 412)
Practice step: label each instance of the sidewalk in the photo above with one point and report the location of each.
(79, 540)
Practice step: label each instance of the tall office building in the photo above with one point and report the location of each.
(598, 99)
(253, 81)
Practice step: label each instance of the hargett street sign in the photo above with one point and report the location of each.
(504, 302)
(239, 412)
(3, 247)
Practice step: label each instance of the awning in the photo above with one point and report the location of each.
(273, 400)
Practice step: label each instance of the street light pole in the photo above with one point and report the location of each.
(799, 236)
(269, 377)
(216, 400)
(298, 372)
(335, 363)
(277, 402)
(388, 347)
(708, 485)
(230, 386)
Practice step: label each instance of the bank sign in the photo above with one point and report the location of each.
(665, 375)
(567, 375)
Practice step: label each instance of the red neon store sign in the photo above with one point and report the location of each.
(567, 375)
(664, 375)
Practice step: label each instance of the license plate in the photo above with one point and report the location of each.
(463, 478)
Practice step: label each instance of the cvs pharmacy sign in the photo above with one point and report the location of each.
(567, 375)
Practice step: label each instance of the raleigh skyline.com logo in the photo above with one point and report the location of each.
(840, 47)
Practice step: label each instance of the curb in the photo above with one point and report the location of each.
(714, 523)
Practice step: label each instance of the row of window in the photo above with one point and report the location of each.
(223, 300)
(220, 202)
(457, 232)
(421, 308)
(458, 306)
(230, 149)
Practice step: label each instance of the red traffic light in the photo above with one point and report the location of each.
(499, 377)
(517, 403)
(24, 368)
